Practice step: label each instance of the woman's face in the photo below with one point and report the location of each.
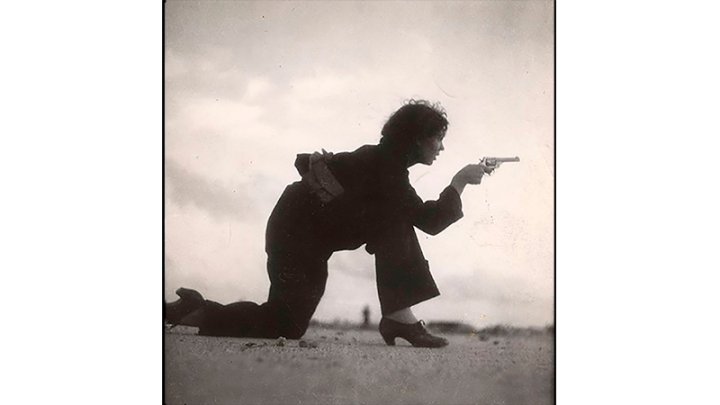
(429, 148)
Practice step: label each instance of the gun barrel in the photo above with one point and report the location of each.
(510, 159)
(502, 159)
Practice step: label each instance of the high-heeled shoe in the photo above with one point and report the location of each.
(415, 333)
(189, 302)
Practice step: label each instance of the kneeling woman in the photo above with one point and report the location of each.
(343, 201)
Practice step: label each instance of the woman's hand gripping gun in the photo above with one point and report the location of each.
(493, 163)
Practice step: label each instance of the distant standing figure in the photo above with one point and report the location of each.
(366, 316)
(342, 202)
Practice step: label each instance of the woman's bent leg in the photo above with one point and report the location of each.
(237, 319)
(296, 285)
(402, 273)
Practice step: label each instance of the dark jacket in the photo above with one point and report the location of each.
(377, 200)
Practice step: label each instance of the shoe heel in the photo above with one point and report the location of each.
(389, 340)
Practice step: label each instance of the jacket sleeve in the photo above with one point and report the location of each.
(431, 217)
(398, 209)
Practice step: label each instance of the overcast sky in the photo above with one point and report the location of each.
(248, 85)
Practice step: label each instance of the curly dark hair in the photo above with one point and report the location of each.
(416, 119)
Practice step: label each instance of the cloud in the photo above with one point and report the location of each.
(220, 202)
(213, 73)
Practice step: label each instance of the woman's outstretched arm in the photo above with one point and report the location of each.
(433, 217)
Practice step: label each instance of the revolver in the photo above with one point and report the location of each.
(493, 163)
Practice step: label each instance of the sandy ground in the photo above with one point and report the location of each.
(356, 367)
